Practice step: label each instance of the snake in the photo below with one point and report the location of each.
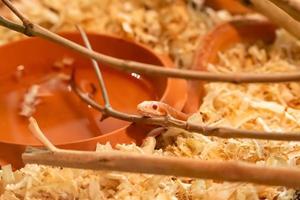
(160, 109)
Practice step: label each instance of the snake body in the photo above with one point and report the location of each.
(160, 109)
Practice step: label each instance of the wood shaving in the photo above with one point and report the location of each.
(19, 72)
(30, 100)
(64, 62)
(171, 27)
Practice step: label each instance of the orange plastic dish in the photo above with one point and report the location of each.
(233, 6)
(222, 37)
(63, 117)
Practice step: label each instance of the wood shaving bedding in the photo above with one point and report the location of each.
(40, 182)
(266, 107)
(30, 101)
(252, 106)
(170, 27)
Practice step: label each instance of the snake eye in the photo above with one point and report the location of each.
(154, 106)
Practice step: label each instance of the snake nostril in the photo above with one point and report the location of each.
(154, 106)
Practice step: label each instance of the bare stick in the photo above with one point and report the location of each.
(127, 65)
(96, 68)
(235, 171)
(35, 129)
(221, 132)
(288, 7)
(27, 24)
(278, 15)
(160, 165)
(172, 166)
(185, 167)
(293, 12)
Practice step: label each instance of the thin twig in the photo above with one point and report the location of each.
(154, 70)
(293, 12)
(117, 161)
(34, 128)
(287, 7)
(172, 166)
(129, 66)
(278, 15)
(162, 165)
(27, 24)
(221, 132)
(15, 11)
(96, 68)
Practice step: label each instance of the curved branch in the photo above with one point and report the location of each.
(127, 65)
(36, 131)
(159, 165)
(157, 70)
(276, 13)
(96, 68)
(293, 11)
(221, 132)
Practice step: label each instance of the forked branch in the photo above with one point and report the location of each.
(171, 122)
(27, 24)
(185, 167)
(127, 65)
(161, 165)
(96, 68)
(222, 132)
(280, 13)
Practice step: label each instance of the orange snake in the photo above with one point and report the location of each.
(160, 109)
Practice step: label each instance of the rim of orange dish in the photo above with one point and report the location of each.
(175, 94)
(220, 38)
(232, 6)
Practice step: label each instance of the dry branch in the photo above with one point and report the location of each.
(96, 68)
(161, 165)
(126, 162)
(130, 65)
(221, 132)
(27, 24)
(280, 14)
(172, 166)
(127, 65)
(36, 131)
(289, 7)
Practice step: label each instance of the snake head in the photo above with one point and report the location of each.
(151, 109)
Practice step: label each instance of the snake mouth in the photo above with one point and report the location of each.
(144, 114)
